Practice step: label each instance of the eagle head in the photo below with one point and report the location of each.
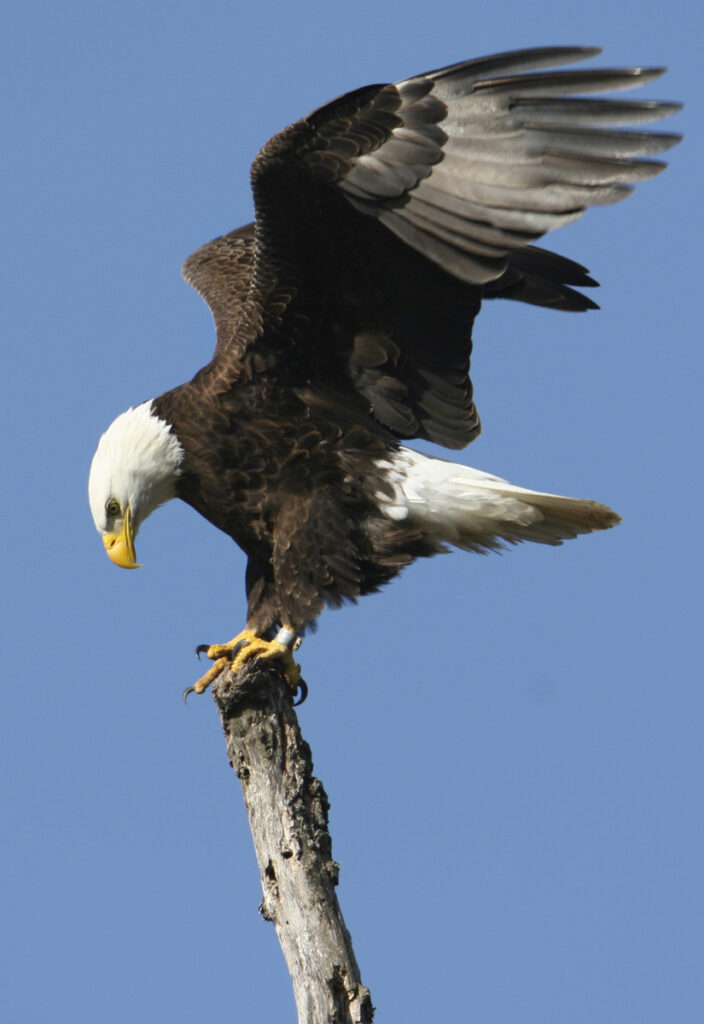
(134, 470)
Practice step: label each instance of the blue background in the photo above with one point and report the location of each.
(511, 745)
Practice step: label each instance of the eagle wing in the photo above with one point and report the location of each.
(384, 217)
(220, 272)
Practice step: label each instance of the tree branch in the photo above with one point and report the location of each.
(288, 816)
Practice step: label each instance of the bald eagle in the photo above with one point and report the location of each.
(343, 318)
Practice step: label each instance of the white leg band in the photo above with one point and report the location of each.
(285, 636)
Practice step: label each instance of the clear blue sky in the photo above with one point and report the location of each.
(511, 745)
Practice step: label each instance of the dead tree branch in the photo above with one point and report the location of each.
(288, 815)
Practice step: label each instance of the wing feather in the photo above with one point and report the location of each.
(221, 272)
(384, 217)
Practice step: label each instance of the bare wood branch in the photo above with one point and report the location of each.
(288, 817)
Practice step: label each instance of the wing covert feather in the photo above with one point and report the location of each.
(221, 271)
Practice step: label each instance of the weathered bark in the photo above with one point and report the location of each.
(288, 816)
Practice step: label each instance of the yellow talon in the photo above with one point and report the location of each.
(247, 645)
(202, 684)
(266, 649)
(216, 651)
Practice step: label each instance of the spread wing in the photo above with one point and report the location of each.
(220, 272)
(384, 217)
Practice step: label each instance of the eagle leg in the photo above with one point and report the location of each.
(245, 646)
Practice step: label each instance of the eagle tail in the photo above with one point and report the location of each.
(480, 512)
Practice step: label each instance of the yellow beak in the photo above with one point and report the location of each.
(120, 546)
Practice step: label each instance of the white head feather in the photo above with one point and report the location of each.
(137, 463)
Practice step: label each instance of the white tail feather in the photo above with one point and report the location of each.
(477, 511)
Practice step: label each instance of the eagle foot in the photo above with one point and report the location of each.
(243, 648)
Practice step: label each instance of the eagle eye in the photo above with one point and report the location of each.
(112, 507)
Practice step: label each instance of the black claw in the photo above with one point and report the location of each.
(302, 688)
(237, 648)
(187, 692)
(200, 649)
